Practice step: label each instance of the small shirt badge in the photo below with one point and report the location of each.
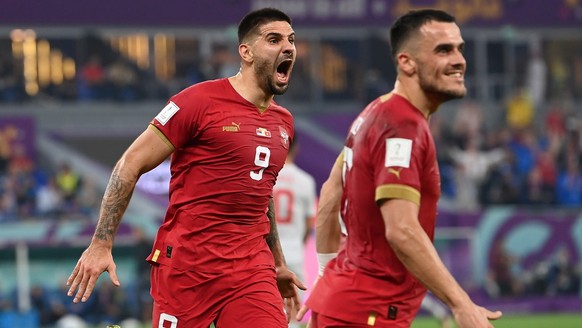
(398, 152)
(284, 137)
(262, 132)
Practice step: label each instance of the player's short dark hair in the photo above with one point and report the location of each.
(408, 24)
(254, 19)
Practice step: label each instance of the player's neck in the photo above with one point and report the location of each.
(416, 96)
(247, 87)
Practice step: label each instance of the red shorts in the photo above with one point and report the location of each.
(245, 299)
(319, 320)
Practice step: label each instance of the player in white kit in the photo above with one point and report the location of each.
(295, 206)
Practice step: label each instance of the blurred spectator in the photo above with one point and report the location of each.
(41, 303)
(49, 199)
(444, 143)
(123, 80)
(501, 186)
(524, 145)
(536, 77)
(559, 75)
(20, 161)
(468, 123)
(555, 120)
(520, 110)
(8, 204)
(564, 274)
(20, 170)
(88, 197)
(92, 79)
(501, 280)
(62, 305)
(68, 183)
(472, 167)
(569, 184)
(110, 305)
(25, 192)
(539, 187)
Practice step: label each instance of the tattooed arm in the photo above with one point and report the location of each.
(287, 281)
(273, 237)
(145, 153)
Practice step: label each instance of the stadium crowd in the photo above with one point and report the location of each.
(530, 155)
(520, 161)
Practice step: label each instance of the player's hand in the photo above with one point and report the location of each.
(287, 282)
(93, 262)
(475, 316)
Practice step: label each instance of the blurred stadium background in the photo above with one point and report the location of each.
(79, 80)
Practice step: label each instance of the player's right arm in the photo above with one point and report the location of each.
(327, 227)
(416, 251)
(145, 153)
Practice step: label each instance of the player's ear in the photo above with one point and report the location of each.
(246, 52)
(406, 63)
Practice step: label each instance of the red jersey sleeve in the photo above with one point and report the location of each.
(398, 152)
(180, 120)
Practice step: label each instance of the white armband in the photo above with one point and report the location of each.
(323, 259)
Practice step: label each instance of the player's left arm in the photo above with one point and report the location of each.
(273, 237)
(286, 279)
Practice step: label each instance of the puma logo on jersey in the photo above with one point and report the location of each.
(395, 172)
(234, 127)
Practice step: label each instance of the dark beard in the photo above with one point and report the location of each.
(264, 74)
(442, 94)
(274, 88)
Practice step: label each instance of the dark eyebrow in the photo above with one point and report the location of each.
(278, 35)
(448, 46)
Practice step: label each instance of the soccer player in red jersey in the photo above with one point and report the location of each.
(217, 256)
(388, 180)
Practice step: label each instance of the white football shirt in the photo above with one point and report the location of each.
(295, 201)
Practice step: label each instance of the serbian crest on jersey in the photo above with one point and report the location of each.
(284, 137)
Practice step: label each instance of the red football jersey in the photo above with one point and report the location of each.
(226, 160)
(389, 153)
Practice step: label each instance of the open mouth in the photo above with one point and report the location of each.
(283, 70)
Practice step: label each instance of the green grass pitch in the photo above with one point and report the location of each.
(561, 320)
